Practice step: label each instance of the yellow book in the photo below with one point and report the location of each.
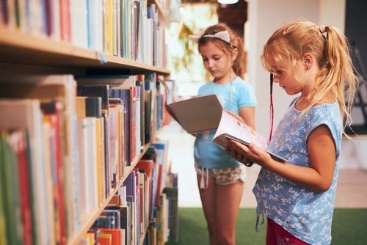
(100, 158)
(80, 106)
(109, 26)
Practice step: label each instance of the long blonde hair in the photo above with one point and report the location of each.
(336, 76)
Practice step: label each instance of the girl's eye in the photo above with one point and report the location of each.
(277, 72)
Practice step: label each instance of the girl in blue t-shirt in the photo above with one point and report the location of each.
(298, 196)
(221, 177)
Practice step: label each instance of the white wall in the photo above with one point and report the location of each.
(332, 12)
(264, 17)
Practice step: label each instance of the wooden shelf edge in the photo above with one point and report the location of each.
(19, 46)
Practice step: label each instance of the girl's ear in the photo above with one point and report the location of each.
(234, 54)
(308, 60)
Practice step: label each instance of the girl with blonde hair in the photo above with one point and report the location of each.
(298, 196)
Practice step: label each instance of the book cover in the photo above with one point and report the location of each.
(116, 235)
(105, 221)
(147, 166)
(12, 149)
(125, 96)
(194, 115)
(141, 84)
(137, 122)
(107, 153)
(104, 239)
(117, 104)
(87, 164)
(130, 199)
(161, 148)
(113, 141)
(52, 116)
(93, 108)
(65, 20)
(55, 19)
(149, 107)
(125, 219)
(173, 219)
(95, 23)
(22, 148)
(94, 90)
(114, 213)
(80, 106)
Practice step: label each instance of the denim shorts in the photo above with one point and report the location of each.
(222, 176)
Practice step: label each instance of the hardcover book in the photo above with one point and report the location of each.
(206, 113)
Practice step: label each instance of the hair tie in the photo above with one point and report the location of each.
(323, 31)
(222, 35)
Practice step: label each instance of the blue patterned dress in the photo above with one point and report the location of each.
(305, 213)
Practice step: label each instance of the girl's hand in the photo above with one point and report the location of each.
(247, 154)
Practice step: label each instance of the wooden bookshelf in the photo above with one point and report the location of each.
(22, 52)
(89, 218)
(17, 47)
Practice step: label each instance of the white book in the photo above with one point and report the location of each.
(95, 25)
(78, 16)
(88, 164)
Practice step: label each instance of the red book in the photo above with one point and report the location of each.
(19, 143)
(147, 165)
(65, 20)
(52, 115)
(104, 239)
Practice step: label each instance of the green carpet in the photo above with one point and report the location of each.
(349, 227)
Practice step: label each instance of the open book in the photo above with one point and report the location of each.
(206, 113)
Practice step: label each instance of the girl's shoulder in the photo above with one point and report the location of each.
(205, 87)
(239, 82)
(328, 114)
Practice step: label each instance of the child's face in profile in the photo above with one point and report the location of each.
(283, 75)
(216, 61)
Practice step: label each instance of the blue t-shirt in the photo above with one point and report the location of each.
(233, 96)
(305, 213)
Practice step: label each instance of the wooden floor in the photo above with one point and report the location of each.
(351, 190)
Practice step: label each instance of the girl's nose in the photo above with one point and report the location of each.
(210, 63)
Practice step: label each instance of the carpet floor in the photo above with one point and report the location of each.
(349, 227)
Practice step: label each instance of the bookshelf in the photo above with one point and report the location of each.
(89, 218)
(19, 48)
(26, 53)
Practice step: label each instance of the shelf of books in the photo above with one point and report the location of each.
(81, 110)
